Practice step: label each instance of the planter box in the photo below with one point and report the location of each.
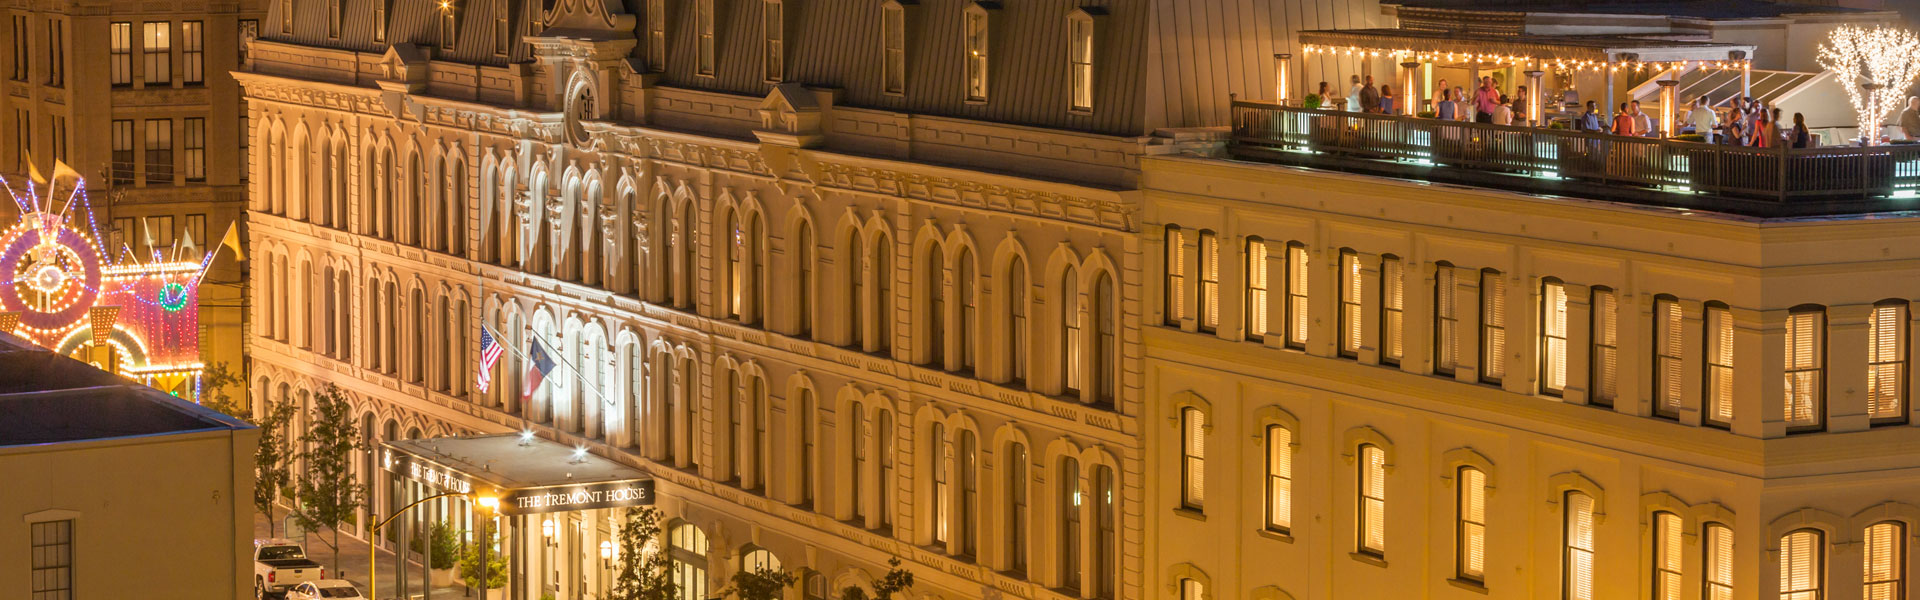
(441, 577)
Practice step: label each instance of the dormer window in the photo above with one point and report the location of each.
(703, 22)
(502, 31)
(773, 20)
(657, 34)
(449, 29)
(1080, 59)
(976, 40)
(333, 19)
(286, 17)
(380, 21)
(893, 42)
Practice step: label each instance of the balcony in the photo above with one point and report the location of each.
(1758, 182)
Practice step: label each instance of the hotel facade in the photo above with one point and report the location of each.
(926, 280)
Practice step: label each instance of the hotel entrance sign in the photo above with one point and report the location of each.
(612, 494)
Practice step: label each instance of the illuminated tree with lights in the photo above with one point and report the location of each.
(1876, 66)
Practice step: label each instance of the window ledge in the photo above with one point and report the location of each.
(1191, 514)
(1468, 585)
(1377, 561)
(1275, 535)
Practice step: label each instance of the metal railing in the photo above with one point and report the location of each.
(1800, 181)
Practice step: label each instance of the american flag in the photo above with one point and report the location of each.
(490, 350)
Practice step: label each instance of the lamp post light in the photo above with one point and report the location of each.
(1282, 78)
(373, 582)
(491, 506)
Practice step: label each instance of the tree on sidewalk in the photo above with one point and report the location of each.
(215, 380)
(270, 459)
(642, 573)
(761, 583)
(328, 492)
(897, 580)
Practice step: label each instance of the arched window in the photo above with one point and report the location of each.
(809, 419)
(689, 427)
(883, 433)
(456, 214)
(1885, 561)
(1803, 565)
(1577, 546)
(969, 317)
(1553, 337)
(687, 251)
(1017, 517)
(1470, 512)
(1192, 589)
(1070, 500)
(727, 450)
(1016, 319)
(942, 477)
(1297, 308)
(964, 460)
(1279, 479)
(417, 200)
(857, 441)
(689, 557)
(754, 283)
(759, 446)
(1372, 526)
(934, 278)
(814, 584)
(803, 280)
(883, 293)
(1668, 572)
(1106, 341)
(384, 201)
(755, 560)
(735, 304)
(1070, 342)
(857, 300)
(1717, 562)
(1105, 522)
(1193, 459)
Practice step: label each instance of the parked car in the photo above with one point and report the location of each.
(325, 589)
(280, 564)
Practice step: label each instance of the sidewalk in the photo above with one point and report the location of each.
(353, 562)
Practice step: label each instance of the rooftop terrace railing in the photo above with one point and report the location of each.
(1766, 182)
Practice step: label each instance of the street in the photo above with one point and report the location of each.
(353, 562)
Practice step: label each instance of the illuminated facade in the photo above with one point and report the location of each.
(137, 316)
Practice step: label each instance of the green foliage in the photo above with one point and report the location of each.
(760, 584)
(215, 380)
(1312, 101)
(445, 546)
(271, 460)
(329, 493)
(469, 564)
(642, 573)
(897, 580)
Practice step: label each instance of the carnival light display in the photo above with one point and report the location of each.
(63, 289)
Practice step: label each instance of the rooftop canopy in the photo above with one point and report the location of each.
(528, 474)
(1541, 51)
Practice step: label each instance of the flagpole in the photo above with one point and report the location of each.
(558, 357)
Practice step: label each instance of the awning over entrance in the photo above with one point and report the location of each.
(528, 474)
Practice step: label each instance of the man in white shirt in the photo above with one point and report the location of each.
(1642, 124)
(1704, 120)
(1353, 95)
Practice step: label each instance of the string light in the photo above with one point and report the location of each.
(1885, 60)
(1558, 64)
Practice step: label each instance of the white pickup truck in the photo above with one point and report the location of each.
(279, 564)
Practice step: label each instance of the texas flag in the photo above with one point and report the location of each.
(539, 364)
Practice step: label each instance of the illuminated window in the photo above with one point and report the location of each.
(1577, 559)
(1666, 356)
(703, 25)
(893, 39)
(968, 304)
(942, 495)
(1471, 535)
(1553, 337)
(1175, 290)
(1885, 561)
(1372, 526)
(1209, 303)
(1718, 563)
(1719, 396)
(120, 53)
(193, 55)
(1279, 479)
(1192, 589)
(157, 52)
(688, 554)
(976, 40)
(1806, 369)
(1106, 340)
(1297, 296)
(1080, 59)
(1193, 458)
(1070, 501)
(1668, 529)
(1351, 327)
(1017, 319)
(1446, 320)
(1256, 257)
(1604, 356)
(773, 22)
(1393, 298)
(1493, 326)
(1071, 345)
(1887, 363)
(1802, 565)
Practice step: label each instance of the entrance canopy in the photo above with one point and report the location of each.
(528, 474)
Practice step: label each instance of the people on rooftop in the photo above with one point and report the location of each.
(1353, 95)
(1910, 119)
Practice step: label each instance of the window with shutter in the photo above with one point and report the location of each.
(1553, 337)
(1887, 363)
(1256, 289)
(1805, 369)
(1296, 296)
(1718, 563)
(1209, 280)
(1604, 356)
(1493, 326)
(1350, 315)
(1392, 303)
(1667, 553)
(1373, 500)
(1471, 554)
(1279, 479)
(1193, 463)
(1801, 558)
(1885, 561)
(1719, 359)
(1666, 357)
(1446, 320)
(1578, 535)
(1176, 264)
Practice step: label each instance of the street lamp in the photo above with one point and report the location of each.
(606, 553)
(373, 581)
(491, 504)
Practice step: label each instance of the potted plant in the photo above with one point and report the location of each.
(496, 570)
(443, 550)
(1312, 101)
